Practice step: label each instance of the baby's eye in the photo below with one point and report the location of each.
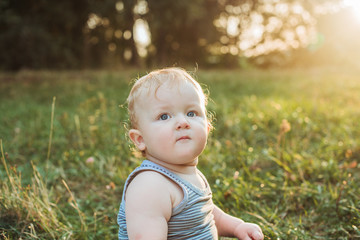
(191, 114)
(164, 116)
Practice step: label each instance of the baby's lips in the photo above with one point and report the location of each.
(183, 138)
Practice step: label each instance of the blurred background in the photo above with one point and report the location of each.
(84, 34)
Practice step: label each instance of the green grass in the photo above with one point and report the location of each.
(285, 151)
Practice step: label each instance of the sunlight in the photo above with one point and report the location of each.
(142, 36)
(355, 7)
(275, 26)
(93, 21)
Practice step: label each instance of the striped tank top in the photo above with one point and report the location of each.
(191, 219)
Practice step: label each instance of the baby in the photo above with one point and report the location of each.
(167, 197)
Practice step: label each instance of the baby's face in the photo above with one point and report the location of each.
(173, 124)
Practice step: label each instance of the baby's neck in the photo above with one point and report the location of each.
(181, 169)
(187, 172)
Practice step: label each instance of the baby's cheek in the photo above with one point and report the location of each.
(164, 136)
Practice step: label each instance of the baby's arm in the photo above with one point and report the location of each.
(229, 226)
(148, 207)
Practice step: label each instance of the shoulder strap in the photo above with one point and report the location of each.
(150, 166)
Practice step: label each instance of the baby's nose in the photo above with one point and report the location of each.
(182, 123)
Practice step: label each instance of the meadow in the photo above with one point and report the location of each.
(284, 152)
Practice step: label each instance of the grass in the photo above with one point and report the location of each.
(285, 152)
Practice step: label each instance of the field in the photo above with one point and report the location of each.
(284, 153)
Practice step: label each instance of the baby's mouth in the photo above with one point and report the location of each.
(183, 138)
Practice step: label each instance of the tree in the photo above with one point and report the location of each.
(181, 30)
(218, 32)
(41, 34)
(109, 33)
(94, 33)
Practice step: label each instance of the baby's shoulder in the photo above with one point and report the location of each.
(151, 185)
(149, 178)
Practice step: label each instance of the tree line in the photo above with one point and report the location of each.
(100, 33)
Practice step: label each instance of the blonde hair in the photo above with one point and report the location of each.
(151, 82)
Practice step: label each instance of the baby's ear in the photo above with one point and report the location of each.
(209, 127)
(136, 137)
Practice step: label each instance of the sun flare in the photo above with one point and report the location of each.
(355, 7)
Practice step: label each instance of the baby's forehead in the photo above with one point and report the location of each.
(165, 96)
(151, 90)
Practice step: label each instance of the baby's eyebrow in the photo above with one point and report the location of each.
(164, 106)
(194, 105)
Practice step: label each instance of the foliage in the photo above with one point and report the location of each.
(92, 34)
(181, 30)
(41, 34)
(28, 211)
(284, 152)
